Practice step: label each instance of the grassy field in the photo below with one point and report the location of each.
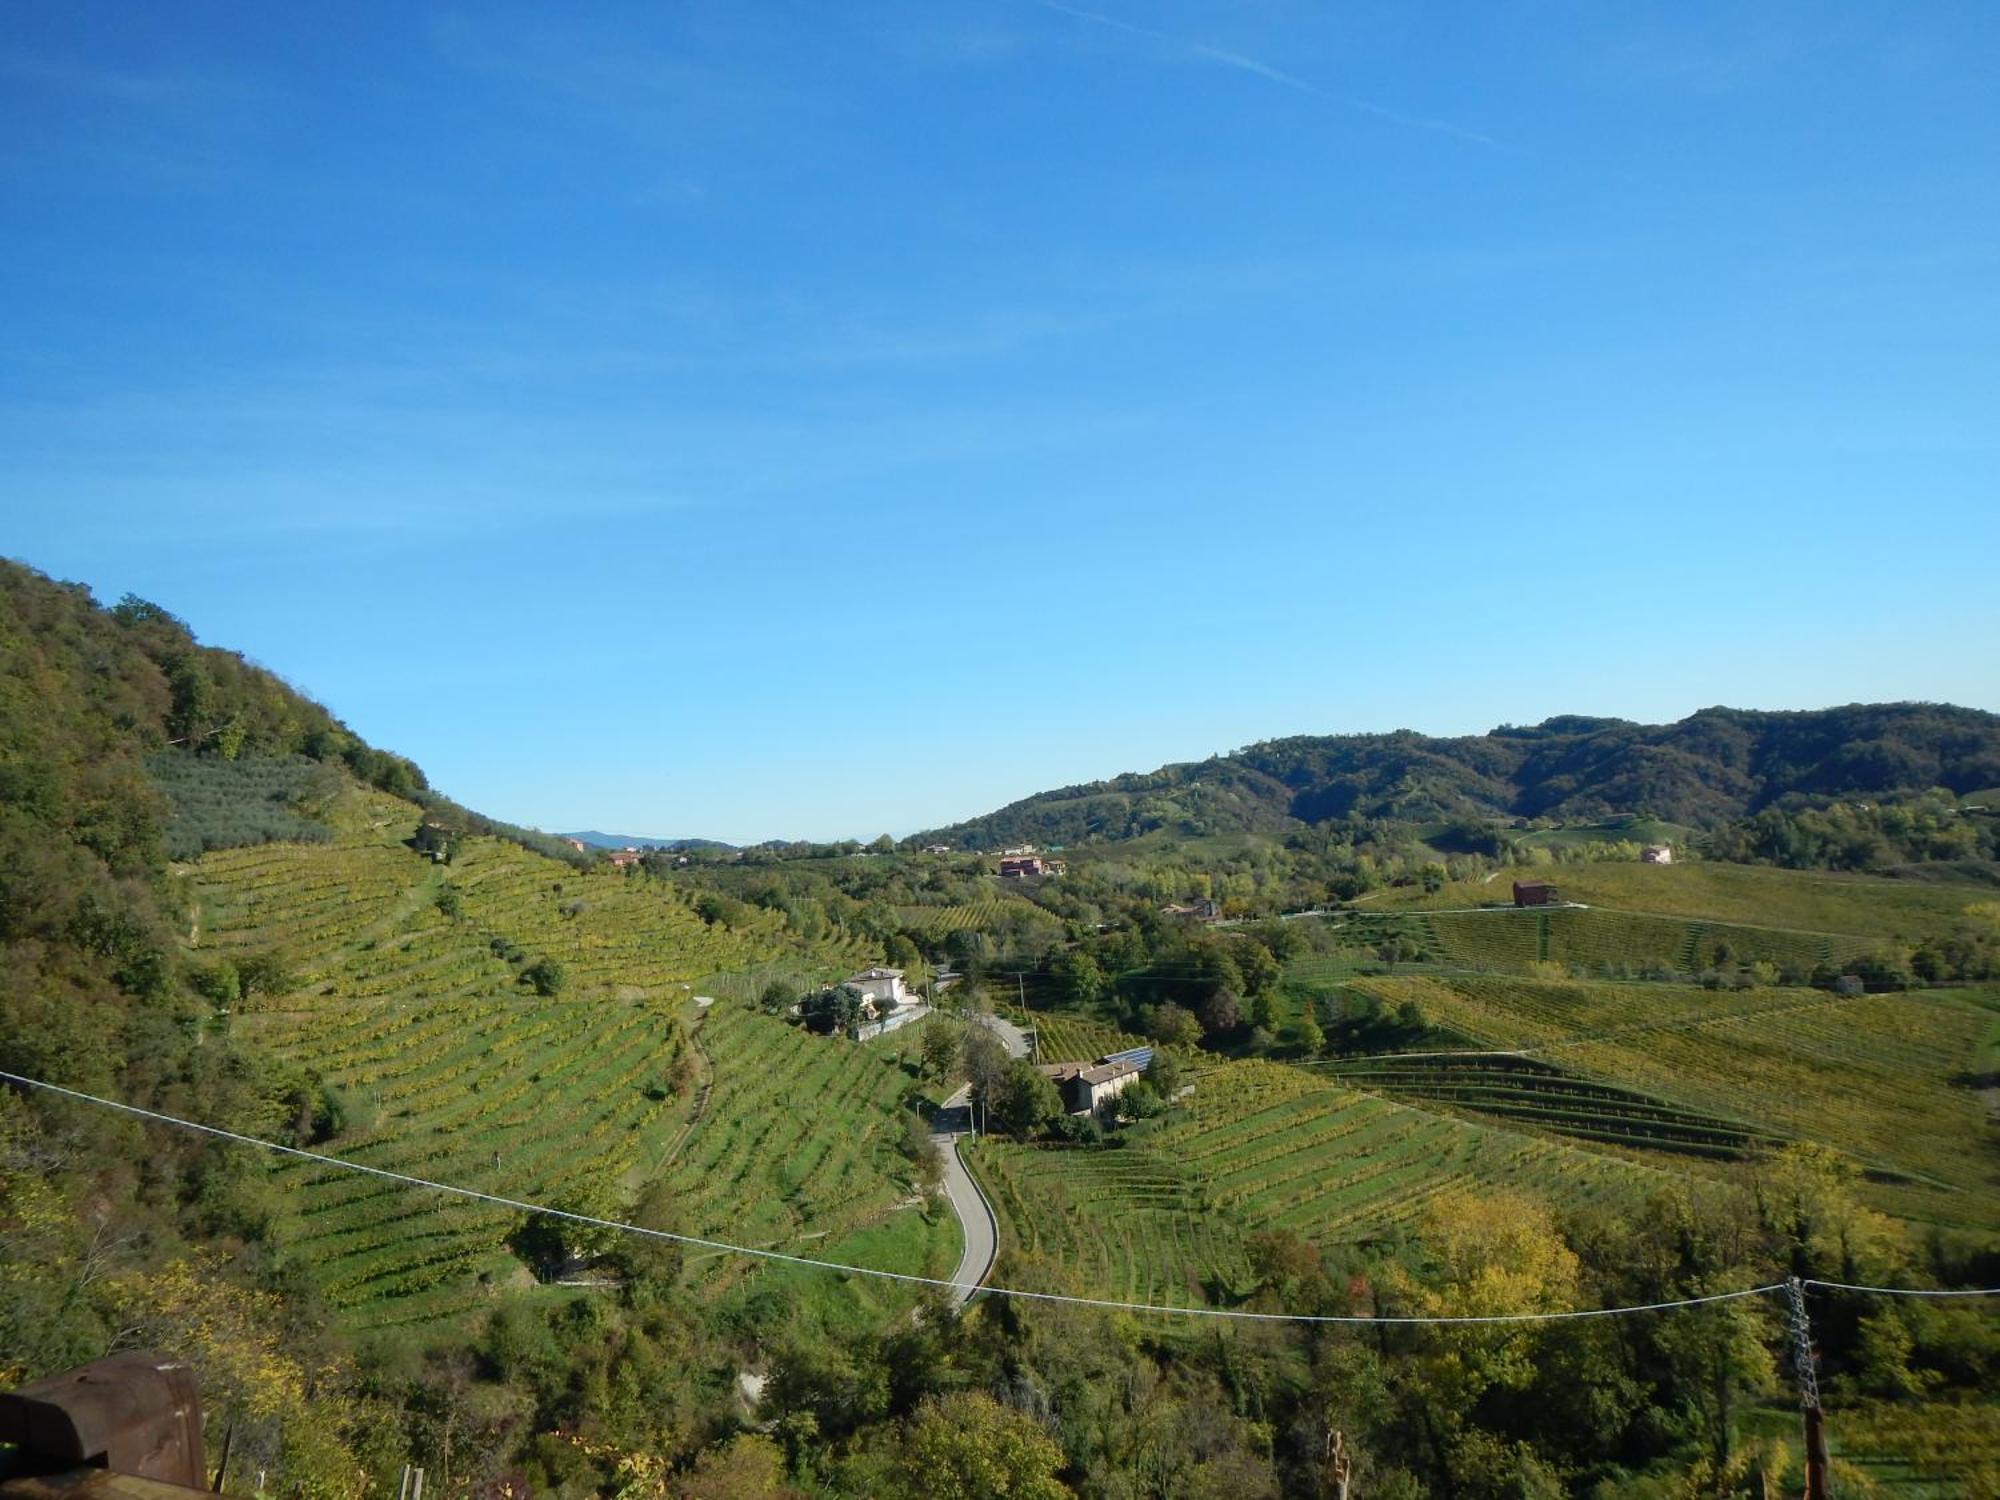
(1799, 901)
(1634, 920)
(450, 1068)
(1883, 1078)
(1600, 939)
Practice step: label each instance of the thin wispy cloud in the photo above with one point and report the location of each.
(1258, 68)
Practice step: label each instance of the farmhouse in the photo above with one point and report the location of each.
(1536, 893)
(578, 845)
(1657, 854)
(1202, 909)
(882, 987)
(623, 859)
(1084, 1086)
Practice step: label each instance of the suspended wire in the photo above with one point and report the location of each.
(1108, 1304)
(1907, 1291)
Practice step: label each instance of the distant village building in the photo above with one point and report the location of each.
(578, 845)
(1202, 909)
(1657, 854)
(624, 858)
(937, 848)
(1086, 1085)
(1020, 849)
(1536, 893)
(1028, 866)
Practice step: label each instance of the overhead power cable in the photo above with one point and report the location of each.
(1908, 1291)
(1108, 1304)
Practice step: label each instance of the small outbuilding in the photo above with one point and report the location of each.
(1657, 854)
(1536, 893)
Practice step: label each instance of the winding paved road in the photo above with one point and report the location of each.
(975, 1214)
(975, 1217)
(1012, 1037)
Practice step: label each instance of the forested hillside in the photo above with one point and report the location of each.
(1707, 769)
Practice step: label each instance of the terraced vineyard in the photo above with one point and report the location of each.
(460, 1092)
(1880, 1077)
(799, 1131)
(1281, 1147)
(408, 1000)
(1536, 1093)
(1257, 1146)
(1123, 1224)
(611, 932)
(1068, 1038)
(941, 921)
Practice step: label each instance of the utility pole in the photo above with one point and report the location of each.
(1808, 1376)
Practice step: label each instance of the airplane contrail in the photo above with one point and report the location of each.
(1264, 70)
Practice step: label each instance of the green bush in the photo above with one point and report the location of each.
(546, 976)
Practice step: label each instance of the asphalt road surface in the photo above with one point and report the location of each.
(975, 1217)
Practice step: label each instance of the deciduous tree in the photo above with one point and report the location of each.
(967, 1446)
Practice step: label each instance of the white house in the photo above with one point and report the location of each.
(883, 987)
(1657, 854)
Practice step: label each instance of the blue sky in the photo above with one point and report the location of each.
(760, 420)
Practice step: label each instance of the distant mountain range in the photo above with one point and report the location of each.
(640, 841)
(1708, 768)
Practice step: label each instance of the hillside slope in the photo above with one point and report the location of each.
(404, 987)
(217, 901)
(1715, 765)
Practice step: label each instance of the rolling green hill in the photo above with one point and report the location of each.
(1715, 765)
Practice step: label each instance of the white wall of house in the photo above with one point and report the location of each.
(881, 987)
(1111, 1088)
